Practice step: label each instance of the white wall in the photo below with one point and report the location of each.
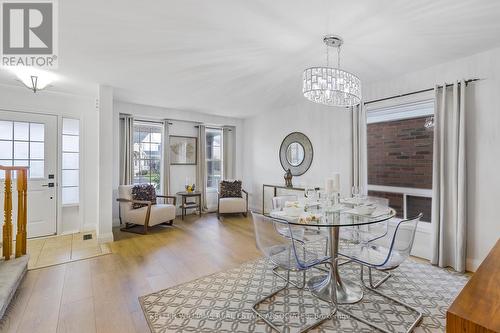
(183, 124)
(107, 136)
(179, 173)
(483, 138)
(329, 130)
(14, 98)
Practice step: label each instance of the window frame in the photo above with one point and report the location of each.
(397, 112)
(161, 157)
(78, 187)
(28, 142)
(221, 159)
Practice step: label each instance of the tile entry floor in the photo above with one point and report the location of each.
(60, 249)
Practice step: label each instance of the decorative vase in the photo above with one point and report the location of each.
(288, 178)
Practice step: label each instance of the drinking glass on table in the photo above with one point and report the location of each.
(358, 194)
(310, 193)
(355, 191)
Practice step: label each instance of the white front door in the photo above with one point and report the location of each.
(28, 139)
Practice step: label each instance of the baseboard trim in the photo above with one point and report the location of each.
(105, 238)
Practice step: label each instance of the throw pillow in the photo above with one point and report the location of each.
(230, 189)
(143, 192)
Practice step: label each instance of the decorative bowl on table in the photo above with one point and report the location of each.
(309, 218)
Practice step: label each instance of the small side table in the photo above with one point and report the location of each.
(185, 205)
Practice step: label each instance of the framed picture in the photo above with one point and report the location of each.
(183, 150)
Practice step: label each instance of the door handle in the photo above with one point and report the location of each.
(48, 185)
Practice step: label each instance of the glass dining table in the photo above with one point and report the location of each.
(332, 219)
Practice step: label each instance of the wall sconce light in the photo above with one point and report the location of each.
(429, 123)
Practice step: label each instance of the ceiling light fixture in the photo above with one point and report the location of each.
(34, 78)
(331, 85)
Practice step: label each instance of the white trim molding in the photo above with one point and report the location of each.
(405, 192)
(418, 192)
(399, 112)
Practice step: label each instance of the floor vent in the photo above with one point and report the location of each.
(87, 236)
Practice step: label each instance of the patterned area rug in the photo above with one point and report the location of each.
(222, 302)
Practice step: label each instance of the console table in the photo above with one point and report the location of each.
(185, 205)
(476, 308)
(275, 188)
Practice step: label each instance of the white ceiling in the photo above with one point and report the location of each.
(239, 58)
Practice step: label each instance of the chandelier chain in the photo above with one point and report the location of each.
(327, 56)
(338, 57)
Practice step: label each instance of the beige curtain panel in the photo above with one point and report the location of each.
(126, 149)
(359, 148)
(166, 158)
(228, 152)
(449, 214)
(201, 174)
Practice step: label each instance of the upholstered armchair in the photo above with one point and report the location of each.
(146, 213)
(230, 198)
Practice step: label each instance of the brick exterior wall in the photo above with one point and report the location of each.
(395, 200)
(400, 154)
(417, 205)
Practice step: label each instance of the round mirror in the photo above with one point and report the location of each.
(295, 154)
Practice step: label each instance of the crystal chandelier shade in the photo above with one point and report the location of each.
(331, 86)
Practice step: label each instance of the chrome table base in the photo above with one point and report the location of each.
(347, 292)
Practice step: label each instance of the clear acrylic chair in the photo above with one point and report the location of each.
(278, 205)
(288, 253)
(385, 254)
(370, 232)
(309, 234)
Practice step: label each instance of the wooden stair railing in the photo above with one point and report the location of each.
(22, 208)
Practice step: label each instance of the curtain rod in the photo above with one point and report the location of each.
(415, 92)
(122, 116)
(208, 126)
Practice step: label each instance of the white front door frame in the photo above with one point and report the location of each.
(43, 198)
(60, 116)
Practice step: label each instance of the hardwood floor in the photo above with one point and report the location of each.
(100, 294)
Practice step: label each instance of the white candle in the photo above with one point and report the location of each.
(329, 185)
(336, 182)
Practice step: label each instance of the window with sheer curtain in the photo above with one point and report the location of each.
(147, 153)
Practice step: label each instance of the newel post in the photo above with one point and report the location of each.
(7, 226)
(21, 212)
